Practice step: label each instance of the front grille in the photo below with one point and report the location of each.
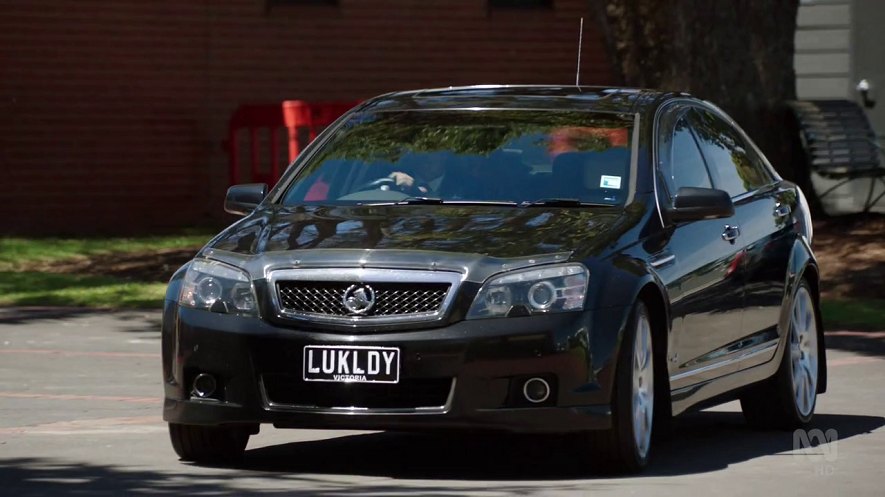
(290, 391)
(391, 299)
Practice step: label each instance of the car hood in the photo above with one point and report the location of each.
(437, 236)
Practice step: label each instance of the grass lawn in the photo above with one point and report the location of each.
(14, 252)
(24, 279)
(49, 289)
(856, 314)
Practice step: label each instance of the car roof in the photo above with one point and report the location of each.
(600, 98)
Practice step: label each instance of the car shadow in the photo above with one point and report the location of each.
(701, 442)
(38, 477)
(710, 441)
(127, 320)
(25, 314)
(460, 463)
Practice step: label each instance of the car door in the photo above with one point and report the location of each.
(763, 208)
(700, 268)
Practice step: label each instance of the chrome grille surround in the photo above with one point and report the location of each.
(401, 295)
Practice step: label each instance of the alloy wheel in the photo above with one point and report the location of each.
(803, 351)
(643, 385)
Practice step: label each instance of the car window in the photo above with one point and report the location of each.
(681, 162)
(457, 155)
(734, 169)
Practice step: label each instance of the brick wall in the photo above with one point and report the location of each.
(112, 112)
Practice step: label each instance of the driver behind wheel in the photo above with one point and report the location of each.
(426, 179)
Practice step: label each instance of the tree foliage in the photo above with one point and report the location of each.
(389, 135)
(735, 53)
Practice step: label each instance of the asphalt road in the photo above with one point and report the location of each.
(80, 415)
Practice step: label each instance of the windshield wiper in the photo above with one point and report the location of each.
(508, 203)
(419, 201)
(439, 201)
(560, 202)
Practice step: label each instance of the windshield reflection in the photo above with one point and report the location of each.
(512, 156)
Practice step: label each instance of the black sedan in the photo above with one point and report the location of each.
(573, 261)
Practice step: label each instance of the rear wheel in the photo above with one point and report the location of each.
(787, 400)
(215, 444)
(626, 446)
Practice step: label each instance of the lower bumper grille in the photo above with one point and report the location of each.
(288, 391)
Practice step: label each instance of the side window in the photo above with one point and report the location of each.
(756, 174)
(734, 169)
(681, 162)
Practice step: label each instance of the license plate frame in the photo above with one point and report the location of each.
(351, 364)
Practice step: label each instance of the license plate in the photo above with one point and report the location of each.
(351, 364)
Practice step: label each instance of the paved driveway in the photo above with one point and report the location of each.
(80, 415)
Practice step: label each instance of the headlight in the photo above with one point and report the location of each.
(217, 287)
(532, 291)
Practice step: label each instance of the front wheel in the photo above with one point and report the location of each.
(212, 444)
(787, 400)
(626, 446)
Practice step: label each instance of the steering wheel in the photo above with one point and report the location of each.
(379, 184)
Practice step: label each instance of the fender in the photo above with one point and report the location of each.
(168, 331)
(803, 264)
(623, 282)
(174, 286)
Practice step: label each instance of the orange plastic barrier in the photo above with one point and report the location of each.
(299, 118)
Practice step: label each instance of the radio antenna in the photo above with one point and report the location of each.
(580, 43)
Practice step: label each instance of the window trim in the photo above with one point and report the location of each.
(775, 178)
(655, 145)
(681, 113)
(689, 102)
(745, 143)
(772, 172)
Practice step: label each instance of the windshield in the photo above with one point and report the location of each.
(442, 156)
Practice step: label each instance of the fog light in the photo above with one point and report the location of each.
(536, 390)
(204, 385)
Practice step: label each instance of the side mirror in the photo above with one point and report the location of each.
(243, 199)
(693, 203)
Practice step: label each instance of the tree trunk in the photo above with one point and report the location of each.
(736, 53)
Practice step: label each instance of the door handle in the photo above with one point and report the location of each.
(731, 232)
(782, 210)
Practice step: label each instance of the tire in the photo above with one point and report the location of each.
(211, 444)
(786, 401)
(626, 446)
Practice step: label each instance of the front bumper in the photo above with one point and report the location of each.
(480, 364)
